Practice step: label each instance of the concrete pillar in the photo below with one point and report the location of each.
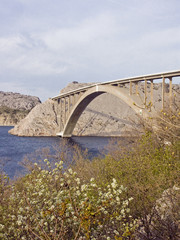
(80, 94)
(152, 86)
(163, 91)
(137, 92)
(58, 111)
(68, 105)
(170, 92)
(120, 85)
(145, 92)
(73, 100)
(64, 111)
(130, 88)
(60, 123)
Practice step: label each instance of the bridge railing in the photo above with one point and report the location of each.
(149, 77)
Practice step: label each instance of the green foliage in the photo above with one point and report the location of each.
(147, 168)
(53, 204)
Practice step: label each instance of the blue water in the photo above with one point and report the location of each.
(14, 149)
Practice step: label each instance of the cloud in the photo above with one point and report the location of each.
(82, 34)
(54, 51)
(87, 41)
(25, 54)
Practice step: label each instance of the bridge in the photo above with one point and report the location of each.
(71, 104)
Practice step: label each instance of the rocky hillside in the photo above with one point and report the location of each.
(14, 107)
(106, 115)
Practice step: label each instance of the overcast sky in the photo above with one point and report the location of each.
(46, 44)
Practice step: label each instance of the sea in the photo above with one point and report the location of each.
(15, 150)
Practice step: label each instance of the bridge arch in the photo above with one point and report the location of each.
(122, 93)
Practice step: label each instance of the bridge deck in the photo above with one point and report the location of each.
(122, 81)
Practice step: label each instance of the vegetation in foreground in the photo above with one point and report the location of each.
(129, 194)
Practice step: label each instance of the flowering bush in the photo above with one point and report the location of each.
(54, 204)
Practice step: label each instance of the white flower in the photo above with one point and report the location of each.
(70, 171)
(126, 202)
(78, 193)
(1, 226)
(114, 183)
(19, 222)
(83, 187)
(127, 210)
(78, 181)
(122, 211)
(116, 232)
(93, 185)
(52, 207)
(117, 199)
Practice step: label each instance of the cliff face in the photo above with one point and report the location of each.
(41, 121)
(14, 107)
(106, 115)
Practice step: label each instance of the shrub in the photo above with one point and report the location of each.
(147, 168)
(53, 204)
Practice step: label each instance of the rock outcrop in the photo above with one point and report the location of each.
(14, 107)
(106, 115)
(41, 121)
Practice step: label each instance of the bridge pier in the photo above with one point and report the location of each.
(170, 93)
(145, 92)
(152, 88)
(163, 92)
(61, 134)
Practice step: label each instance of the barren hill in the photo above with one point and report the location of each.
(15, 106)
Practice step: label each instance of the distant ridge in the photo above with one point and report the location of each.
(18, 101)
(15, 106)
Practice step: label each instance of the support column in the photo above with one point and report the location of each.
(152, 86)
(170, 92)
(137, 92)
(163, 91)
(130, 88)
(64, 111)
(73, 100)
(68, 105)
(77, 97)
(80, 94)
(120, 85)
(58, 112)
(145, 92)
(61, 125)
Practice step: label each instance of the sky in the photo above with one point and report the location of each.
(46, 44)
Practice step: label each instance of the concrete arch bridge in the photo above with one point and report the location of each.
(71, 104)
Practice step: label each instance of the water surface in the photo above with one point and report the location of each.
(13, 149)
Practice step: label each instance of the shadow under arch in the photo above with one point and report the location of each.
(133, 101)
